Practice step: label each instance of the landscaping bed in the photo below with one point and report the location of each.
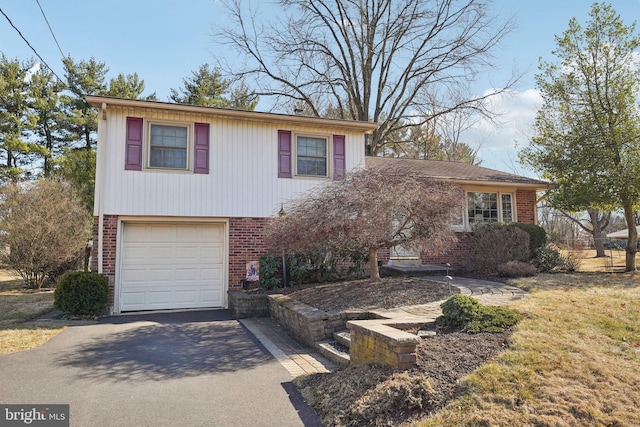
(361, 294)
(380, 396)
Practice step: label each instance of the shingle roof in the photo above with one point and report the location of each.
(455, 171)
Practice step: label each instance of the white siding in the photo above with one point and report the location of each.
(243, 177)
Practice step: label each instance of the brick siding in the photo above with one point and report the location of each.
(526, 206)
(110, 226)
(458, 255)
(246, 243)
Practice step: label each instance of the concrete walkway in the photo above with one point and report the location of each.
(299, 359)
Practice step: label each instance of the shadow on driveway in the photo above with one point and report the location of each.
(165, 345)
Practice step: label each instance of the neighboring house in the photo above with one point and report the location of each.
(491, 197)
(183, 193)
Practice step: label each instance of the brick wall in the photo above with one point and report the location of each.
(526, 206)
(110, 225)
(458, 255)
(246, 243)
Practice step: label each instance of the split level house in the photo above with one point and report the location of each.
(184, 193)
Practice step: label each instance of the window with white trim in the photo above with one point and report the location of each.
(168, 146)
(488, 207)
(312, 155)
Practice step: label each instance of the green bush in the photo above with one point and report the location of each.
(548, 258)
(81, 292)
(494, 244)
(459, 310)
(312, 266)
(466, 313)
(270, 272)
(516, 269)
(537, 236)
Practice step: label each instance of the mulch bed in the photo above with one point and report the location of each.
(361, 294)
(444, 358)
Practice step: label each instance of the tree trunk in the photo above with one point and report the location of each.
(632, 241)
(597, 231)
(373, 264)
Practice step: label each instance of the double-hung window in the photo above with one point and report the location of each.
(173, 146)
(168, 146)
(489, 207)
(311, 156)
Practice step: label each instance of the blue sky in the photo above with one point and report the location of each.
(164, 40)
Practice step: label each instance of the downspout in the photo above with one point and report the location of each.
(98, 202)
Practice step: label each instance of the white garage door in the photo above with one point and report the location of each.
(171, 266)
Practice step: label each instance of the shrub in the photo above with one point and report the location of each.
(81, 292)
(466, 313)
(43, 227)
(516, 269)
(548, 258)
(537, 236)
(270, 272)
(459, 310)
(572, 262)
(312, 266)
(495, 244)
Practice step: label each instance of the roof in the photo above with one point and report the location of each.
(622, 234)
(353, 125)
(462, 173)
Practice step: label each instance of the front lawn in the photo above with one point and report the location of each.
(573, 360)
(17, 306)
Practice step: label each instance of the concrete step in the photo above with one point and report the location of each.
(334, 351)
(343, 337)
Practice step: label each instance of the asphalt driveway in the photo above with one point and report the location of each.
(176, 369)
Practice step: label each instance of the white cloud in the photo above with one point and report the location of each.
(499, 140)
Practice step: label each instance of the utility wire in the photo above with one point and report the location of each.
(29, 44)
(48, 25)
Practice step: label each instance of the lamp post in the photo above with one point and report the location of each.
(283, 215)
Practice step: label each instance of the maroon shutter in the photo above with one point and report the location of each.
(339, 157)
(284, 154)
(133, 152)
(201, 148)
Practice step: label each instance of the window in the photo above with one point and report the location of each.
(168, 146)
(311, 156)
(489, 207)
(319, 156)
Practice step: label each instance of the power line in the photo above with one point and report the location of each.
(29, 44)
(48, 25)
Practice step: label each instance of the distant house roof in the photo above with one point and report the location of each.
(622, 234)
(462, 173)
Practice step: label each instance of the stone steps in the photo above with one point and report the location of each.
(336, 350)
(333, 352)
(343, 337)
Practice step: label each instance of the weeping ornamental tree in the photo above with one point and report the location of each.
(374, 209)
(588, 129)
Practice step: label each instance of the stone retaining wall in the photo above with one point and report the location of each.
(376, 341)
(242, 305)
(307, 323)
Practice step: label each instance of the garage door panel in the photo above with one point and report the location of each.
(165, 266)
(212, 297)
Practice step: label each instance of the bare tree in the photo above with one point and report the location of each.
(398, 63)
(373, 209)
(41, 227)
